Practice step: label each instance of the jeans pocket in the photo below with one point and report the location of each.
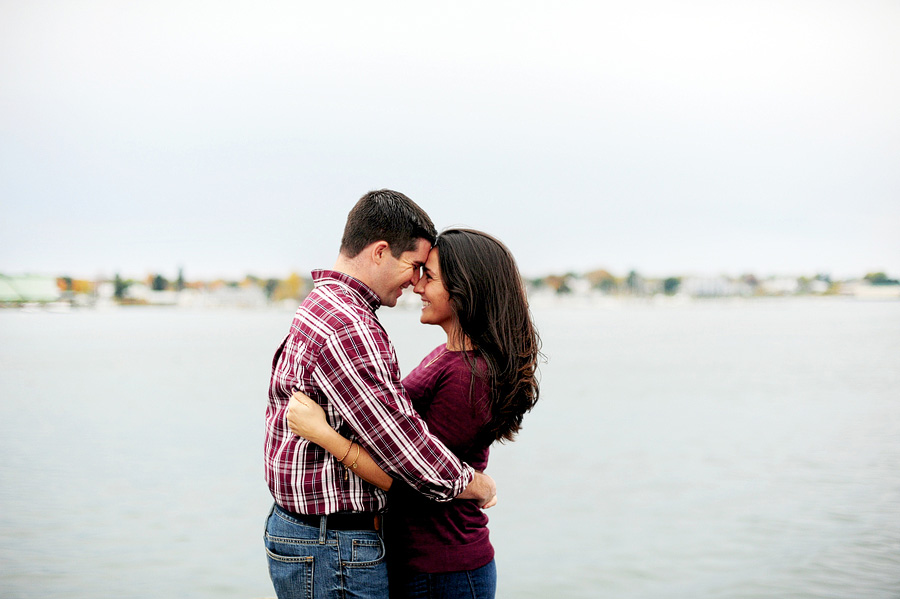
(292, 575)
(290, 553)
(363, 565)
(366, 552)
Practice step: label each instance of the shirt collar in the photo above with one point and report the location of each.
(369, 297)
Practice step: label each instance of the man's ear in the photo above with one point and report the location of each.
(379, 251)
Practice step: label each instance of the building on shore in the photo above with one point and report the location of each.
(25, 289)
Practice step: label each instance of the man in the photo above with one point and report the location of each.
(322, 536)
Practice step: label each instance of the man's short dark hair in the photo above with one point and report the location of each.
(389, 216)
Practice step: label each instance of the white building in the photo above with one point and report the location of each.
(28, 288)
(714, 287)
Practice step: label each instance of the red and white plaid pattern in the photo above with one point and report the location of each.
(338, 353)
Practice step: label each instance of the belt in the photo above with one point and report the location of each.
(339, 520)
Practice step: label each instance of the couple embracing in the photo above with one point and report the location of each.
(373, 475)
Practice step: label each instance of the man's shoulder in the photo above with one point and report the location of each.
(330, 310)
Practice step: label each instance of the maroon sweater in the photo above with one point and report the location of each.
(424, 535)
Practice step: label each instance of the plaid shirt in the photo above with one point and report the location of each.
(339, 354)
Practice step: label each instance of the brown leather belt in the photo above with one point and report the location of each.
(339, 520)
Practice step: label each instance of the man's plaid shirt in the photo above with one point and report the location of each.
(338, 353)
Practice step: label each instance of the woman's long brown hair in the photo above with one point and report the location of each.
(490, 305)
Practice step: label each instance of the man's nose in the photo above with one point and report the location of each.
(416, 275)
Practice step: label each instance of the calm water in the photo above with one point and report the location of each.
(707, 450)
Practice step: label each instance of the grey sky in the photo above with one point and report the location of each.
(233, 137)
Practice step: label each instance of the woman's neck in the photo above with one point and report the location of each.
(456, 341)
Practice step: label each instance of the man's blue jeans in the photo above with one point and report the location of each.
(480, 583)
(306, 562)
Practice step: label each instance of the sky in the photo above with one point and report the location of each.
(232, 138)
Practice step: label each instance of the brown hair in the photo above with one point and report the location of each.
(386, 215)
(489, 303)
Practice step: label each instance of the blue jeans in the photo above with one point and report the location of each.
(306, 562)
(480, 583)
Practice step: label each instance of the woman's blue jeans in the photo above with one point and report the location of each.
(475, 584)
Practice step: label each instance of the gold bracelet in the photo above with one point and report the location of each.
(354, 465)
(349, 447)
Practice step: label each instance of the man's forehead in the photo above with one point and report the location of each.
(420, 254)
(432, 260)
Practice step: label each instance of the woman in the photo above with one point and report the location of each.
(471, 391)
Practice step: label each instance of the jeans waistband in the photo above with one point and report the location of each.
(337, 520)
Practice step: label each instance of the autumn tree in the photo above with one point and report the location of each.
(290, 288)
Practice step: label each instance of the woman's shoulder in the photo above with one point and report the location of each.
(436, 353)
(458, 364)
(428, 367)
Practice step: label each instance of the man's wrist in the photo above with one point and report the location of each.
(465, 481)
(482, 489)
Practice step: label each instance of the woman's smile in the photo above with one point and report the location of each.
(436, 308)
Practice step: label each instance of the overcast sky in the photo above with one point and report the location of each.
(668, 137)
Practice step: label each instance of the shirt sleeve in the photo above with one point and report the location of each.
(358, 373)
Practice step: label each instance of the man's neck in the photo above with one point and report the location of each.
(351, 267)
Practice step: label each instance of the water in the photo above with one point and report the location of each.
(706, 450)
